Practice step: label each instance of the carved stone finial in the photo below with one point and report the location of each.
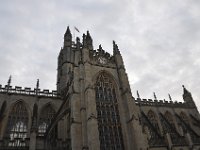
(9, 83)
(78, 44)
(185, 91)
(89, 42)
(115, 48)
(170, 98)
(37, 84)
(138, 95)
(100, 47)
(67, 38)
(9, 80)
(77, 40)
(88, 35)
(84, 40)
(68, 32)
(154, 95)
(114, 44)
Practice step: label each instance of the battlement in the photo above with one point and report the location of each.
(98, 53)
(161, 103)
(27, 91)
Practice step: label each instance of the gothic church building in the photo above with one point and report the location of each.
(93, 109)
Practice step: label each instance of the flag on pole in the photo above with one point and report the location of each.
(76, 29)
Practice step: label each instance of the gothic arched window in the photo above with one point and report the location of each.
(152, 118)
(184, 117)
(184, 120)
(169, 118)
(110, 132)
(17, 126)
(46, 117)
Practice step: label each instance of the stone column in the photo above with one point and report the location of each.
(33, 133)
(189, 139)
(32, 142)
(169, 141)
(92, 123)
(3, 127)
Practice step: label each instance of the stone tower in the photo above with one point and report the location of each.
(96, 90)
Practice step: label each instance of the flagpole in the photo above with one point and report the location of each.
(75, 30)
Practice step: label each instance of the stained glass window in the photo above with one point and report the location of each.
(152, 118)
(109, 126)
(17, 125)
(169, 118)
(46, 117)
(184, 117)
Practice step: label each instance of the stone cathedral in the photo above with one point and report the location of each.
(93, 109)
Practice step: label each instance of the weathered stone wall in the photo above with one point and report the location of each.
(29, 101)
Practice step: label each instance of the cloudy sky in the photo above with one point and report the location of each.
(159, 41)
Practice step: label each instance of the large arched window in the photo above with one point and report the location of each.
(184, 120)
(184, 117)
(17, 126)
(152, 118)
(169, 118)
(46, 117)
(110, 132)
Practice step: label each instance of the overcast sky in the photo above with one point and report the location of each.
(158, 39)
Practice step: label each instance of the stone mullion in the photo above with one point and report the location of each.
(32, 144)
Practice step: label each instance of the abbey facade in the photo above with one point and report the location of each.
(93, 109)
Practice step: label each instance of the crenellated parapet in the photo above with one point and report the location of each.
(28, 91)
(162, 103)
(188, 101)
(100, 56)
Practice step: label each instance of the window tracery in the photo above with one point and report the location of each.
(151, 129)
(17, 127)
(169, 118)
(184, 117)
(110, 132)
(184, 123)
(152, 118)
(46, 117)
(169, 127)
